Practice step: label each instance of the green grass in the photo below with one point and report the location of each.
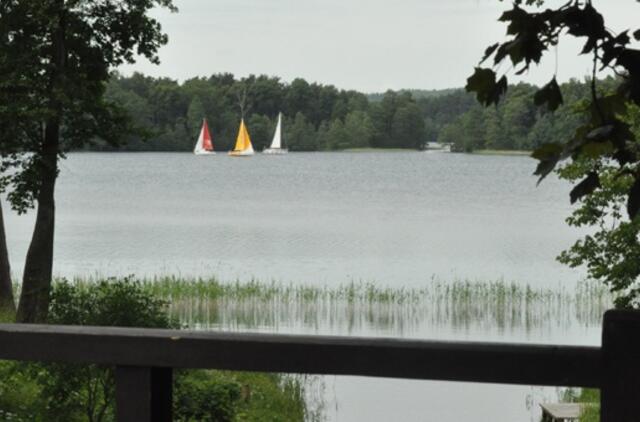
(589, 398)
(591, 411)
(7, 317)
(272, 397)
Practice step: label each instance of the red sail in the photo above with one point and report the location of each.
(207, 144)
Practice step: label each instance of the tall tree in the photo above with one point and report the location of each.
(359, 129)
(55, 58)
(382, 114)
(261, 131)
(300, 134)
(407, 128)
(195, 114)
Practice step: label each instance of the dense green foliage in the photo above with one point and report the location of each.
(317, 117)
(61, 392)
(603, 150)
(55, 58)
(515, 123)
(611, 251)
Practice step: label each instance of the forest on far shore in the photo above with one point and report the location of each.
(322, 118)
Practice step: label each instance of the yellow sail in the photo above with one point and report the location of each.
(243, 142)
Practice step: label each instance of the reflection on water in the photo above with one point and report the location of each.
(500, 309)
(461, 310)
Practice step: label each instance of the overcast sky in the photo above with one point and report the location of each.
(368, 45)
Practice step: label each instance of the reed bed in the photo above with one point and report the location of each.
(367, 307)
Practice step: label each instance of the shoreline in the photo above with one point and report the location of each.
(504, 152)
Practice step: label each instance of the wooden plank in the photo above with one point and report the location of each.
(143, 394)
(378, 357)
(620, 393)
(133, 394)
(162, 394)
(562, 410)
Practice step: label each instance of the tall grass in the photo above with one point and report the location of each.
(460, 304)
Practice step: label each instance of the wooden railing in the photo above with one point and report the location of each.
(144, 359)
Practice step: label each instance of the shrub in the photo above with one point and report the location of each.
(63, 392)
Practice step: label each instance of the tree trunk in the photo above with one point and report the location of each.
(38, 267)
(7, 305)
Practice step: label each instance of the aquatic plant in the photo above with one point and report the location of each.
(370, 308)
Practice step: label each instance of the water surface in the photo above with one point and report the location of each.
(393, 218)
(326, 219)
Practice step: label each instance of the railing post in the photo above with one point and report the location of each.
(143, 394)
(620, 390)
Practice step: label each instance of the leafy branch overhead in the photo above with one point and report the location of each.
(605, 135)
(55, 60)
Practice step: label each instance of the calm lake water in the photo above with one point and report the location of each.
(392, 218)
(395, 219)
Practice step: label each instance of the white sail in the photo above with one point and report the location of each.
(277, 137)
(199, 149)
(276, 143)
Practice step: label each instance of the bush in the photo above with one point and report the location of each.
(87, 392)
(205, 396)
(63, 392)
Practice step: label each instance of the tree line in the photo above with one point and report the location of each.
(515, 123)
(321, 117)
(316, 117)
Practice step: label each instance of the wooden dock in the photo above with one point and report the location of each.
(561, 412)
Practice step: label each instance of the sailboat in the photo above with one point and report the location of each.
(204, 146)
(243, 142)
(276, 143)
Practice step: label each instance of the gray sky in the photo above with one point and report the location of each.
(368, 45)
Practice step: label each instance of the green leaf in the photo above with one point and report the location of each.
(596, 149)
(600, 133)
(624, 156)
(585, 187)
(483, 83)
(548, 155)
(630, 60)
(585, 22)
(606, 110)
(489, 51)
(549, 95)
(546, 151)
(545, 167)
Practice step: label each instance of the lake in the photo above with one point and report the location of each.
(396, 219)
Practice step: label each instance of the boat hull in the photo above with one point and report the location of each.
(275, 151)
(245, 153)
(204, 152)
